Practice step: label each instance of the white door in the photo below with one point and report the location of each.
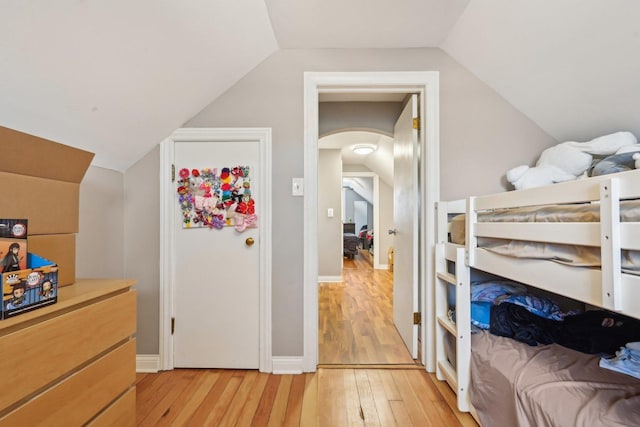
(217, 271)
(405, 218)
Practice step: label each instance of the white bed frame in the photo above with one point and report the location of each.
(607, 287)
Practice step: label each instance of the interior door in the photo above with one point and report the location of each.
(405, 217)
(217, 271)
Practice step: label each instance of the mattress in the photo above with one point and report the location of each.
(515, 384)
(579, 256)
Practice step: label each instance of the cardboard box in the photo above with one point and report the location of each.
(60, 248)
(51, 206)
(13, 244)
(40, 181)
(25, 154)
(29, 289)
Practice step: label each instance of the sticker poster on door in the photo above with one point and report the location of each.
(211, 200)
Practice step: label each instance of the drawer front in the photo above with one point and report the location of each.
(121, 413)
(39, 354)
(77, 399)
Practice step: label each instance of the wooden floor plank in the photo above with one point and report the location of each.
(218, 411)
(309, 413)
(188, 401)
(242, 396)
(390, 387)
(201, 413)
(263, 412)
(331, 404)
(351, 399)
(380, 398)
(414, 408)
(149, 392)
(400, 413)
(294, 403)
(365, 395)
(464, 418)
(279, 407)
(251, 405)
(166, 400)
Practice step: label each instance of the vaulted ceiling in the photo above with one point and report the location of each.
(117, 77)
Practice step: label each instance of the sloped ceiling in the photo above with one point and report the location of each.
(117, 77)
(362, 23)
(572, 66)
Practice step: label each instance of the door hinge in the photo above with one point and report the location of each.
(417, 318)
(416, 123)
(173, 173)
(173, 325)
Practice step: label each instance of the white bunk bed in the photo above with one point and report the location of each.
(605, 286)
(451, 271)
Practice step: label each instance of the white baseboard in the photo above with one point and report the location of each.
(382, 266)
(147, 363)
(287, 365)
(329, 279)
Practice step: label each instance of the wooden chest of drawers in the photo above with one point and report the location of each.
(72, 363)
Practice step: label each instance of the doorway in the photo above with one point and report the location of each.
(427, 86)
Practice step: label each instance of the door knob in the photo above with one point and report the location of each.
(392, 231)
(249, 241)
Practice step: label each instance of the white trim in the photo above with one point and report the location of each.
(283, 365)
(167, 270)
(329, 279)
(148, 363)
(427, 85)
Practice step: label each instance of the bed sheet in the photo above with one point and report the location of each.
(516, 384)
(579, 256)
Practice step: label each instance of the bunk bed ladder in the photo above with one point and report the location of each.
(610, 244)
(457, 377)
(470, 232)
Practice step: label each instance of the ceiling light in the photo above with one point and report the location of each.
(364, 149)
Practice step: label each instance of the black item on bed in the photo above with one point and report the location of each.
(591, 332)
(514, 321)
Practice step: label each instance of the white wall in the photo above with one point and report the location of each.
(142, 245)
(100, 240)
(481, 136)
(330, 229)
(118, 237)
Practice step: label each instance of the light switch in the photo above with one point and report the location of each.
(297, 187)
(330, 213)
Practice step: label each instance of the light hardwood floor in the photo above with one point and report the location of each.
(356, 328)
(356, 318)
(327, 398)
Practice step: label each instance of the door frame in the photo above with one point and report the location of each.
(167, 233)
(376, 209)
(426, 84)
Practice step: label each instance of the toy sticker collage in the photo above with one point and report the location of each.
(209, 199)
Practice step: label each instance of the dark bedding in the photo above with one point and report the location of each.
(350, 244)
